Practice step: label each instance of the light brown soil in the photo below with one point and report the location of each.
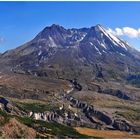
(14, 129)
(109, 134)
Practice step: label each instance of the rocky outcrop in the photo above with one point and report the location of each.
(122, 125)
(118, 93)
(91, 112)
(46, 116)
(136, 129)
(76, 85)
(114, 92)
(101, 119)
(3, 105)
(87, 115)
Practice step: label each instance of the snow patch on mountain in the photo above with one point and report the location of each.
(103, 45)
(104, 51)
(98, 51)
(52, 43)
(122, 54)
(39, 53)
(113, 38)
(91, 43)
(82, 37)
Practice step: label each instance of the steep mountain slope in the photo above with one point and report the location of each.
(74, 52)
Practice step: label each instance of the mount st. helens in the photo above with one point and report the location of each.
(75, 53)
(77, 77)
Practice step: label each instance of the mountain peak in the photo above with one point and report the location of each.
(83, 45)
(55, 26)
(98, 25)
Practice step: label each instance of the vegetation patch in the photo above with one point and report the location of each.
(132, 116)
(36, 107)
(53, 130)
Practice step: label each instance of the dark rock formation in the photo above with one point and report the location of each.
(4, 102)
(76, 85)
(122, 125)
(118, 93)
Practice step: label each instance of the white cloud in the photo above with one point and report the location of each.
(119, 31)
(126, 31)
(131, 32)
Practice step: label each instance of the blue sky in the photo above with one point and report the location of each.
(21, 21)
